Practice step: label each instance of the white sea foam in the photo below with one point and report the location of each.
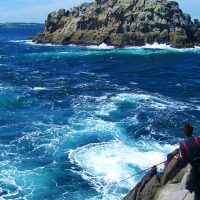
(30, 42)
(106, 163)
(104, 46)
(150, 101)
(72, 45)
(111, 105)
(147, 46)
(23, 41)
(133, 83)
(162, 47)
(132, 98)
(40, 88)
(151, 46)
(142, 102)
(157, 46)
(95, 127)
(101, 46)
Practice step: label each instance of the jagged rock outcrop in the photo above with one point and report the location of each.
(122, 23)
(172, 183)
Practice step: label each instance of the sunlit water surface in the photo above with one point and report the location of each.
(74, 120)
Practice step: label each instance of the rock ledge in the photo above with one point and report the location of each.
(171, 184)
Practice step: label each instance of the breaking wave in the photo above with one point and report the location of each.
(148, 49)
(30, 42)
(101, 46)
(104, 164)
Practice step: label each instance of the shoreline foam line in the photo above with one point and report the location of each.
(104, 46)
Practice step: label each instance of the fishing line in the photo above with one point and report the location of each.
(138, 173)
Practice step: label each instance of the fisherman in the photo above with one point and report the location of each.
(190, 153)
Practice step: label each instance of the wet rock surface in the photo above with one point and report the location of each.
(122, 23)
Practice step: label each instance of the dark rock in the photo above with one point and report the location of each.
(122, 23)
(197, 23)
(170, 171)
(153, 182)
(145, 189)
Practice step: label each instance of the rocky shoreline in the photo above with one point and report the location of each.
(170, 184)
(122, 23)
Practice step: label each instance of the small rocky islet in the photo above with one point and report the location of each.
(122, 23)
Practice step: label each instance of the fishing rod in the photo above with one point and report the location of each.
(116, 183)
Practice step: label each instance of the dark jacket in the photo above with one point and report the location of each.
(190, 152)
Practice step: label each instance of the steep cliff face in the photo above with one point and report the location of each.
(122, 23)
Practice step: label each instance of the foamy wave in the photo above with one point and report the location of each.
(23, 42)
(137, 102)
(128, 97)
(95, 127)
(101, 46)
(106, 163)
(162, 47)
(157, 46)
(72, 45)
(155, 102)
(142, 103)
(104, 46)
(124, 98)
(147, 46)
(40, 88)
(30, 42)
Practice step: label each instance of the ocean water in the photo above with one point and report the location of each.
(74, 120)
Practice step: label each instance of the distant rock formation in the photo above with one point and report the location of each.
(122, 23)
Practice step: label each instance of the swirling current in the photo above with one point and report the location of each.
(74, 120)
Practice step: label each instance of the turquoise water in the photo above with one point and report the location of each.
(74, 120)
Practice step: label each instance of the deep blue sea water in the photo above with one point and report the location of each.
(73, 120)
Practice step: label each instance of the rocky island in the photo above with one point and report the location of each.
(122, 23)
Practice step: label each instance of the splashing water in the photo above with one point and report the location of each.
(74, 120)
